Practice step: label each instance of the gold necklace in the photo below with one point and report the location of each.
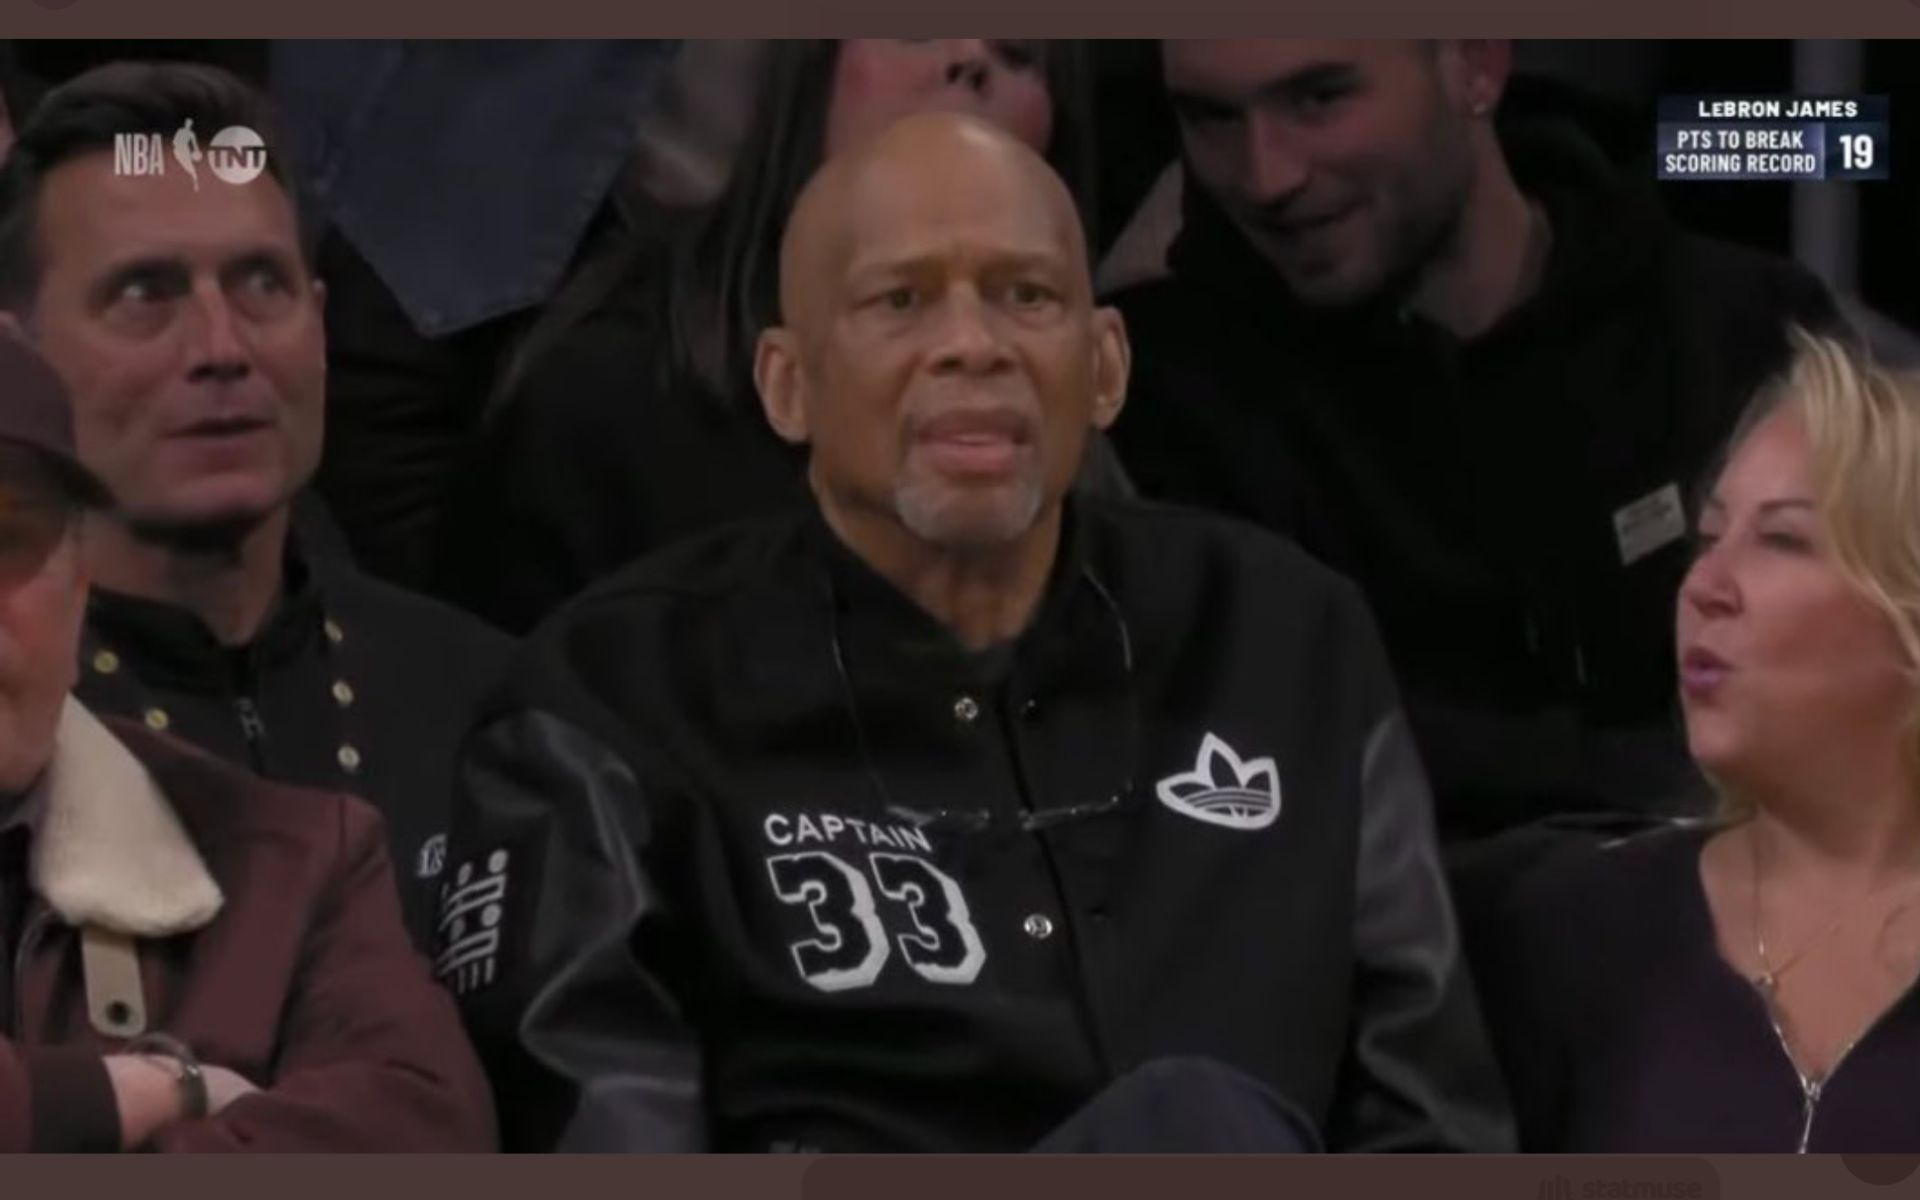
(1768, 980)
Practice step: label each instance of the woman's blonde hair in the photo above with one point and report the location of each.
(1863, 436)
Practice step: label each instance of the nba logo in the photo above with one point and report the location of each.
(138, 154)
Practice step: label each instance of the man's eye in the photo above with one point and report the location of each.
(266, 278)
(1316, 101)
(1027, 294)
(1212, 116)
(146, 287)
(900, 299)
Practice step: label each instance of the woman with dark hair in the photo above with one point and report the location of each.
(628, 418)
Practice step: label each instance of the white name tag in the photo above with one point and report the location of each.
(1650, 523)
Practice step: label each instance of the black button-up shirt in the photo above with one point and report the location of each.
(351, 685)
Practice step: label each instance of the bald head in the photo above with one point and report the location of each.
(939, 351)
(935, 163)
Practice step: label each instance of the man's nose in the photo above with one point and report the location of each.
(1276, 166)
(969, 64)
(968, 338)
(217, 347)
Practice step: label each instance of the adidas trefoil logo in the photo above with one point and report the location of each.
(1223, 790)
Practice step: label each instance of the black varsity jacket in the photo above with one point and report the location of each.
(750, 854)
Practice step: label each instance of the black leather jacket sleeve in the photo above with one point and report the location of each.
(1420, 1073)
(588, 1046)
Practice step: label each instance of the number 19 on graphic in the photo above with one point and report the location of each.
(1856, 151)
(1855, 132)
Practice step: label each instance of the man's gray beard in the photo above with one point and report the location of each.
(927, 509)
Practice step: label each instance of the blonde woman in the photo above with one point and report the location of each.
(1747, 984)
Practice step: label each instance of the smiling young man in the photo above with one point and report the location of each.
(182, 313)
(958, 814)
(1470, 367)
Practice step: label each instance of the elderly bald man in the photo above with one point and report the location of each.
(959, 814)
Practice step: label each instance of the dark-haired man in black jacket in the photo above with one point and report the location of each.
(956, 815)
(1473, 370)
(182, 312)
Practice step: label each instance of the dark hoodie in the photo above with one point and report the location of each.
(1471, 488)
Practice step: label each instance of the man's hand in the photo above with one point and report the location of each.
(224, 1087)
(147, 1090)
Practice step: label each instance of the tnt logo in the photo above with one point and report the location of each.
(237, 155)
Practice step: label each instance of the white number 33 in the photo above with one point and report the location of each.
(852, 945)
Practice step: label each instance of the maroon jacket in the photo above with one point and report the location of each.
(269, 939)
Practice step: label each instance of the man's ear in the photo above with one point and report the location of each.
(781, 383)
(1485, 64)
(1112, 366)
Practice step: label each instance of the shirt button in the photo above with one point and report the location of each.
(1039, 927)
(157, 719)
(342, 692)
(966, 710)
(335, 634)
(106, 662)
(349, 758)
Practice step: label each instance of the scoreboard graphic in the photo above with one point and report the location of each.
(1775, 138)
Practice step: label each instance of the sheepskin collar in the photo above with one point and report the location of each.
(108, 850)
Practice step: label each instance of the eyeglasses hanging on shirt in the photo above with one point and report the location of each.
(984, 819)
